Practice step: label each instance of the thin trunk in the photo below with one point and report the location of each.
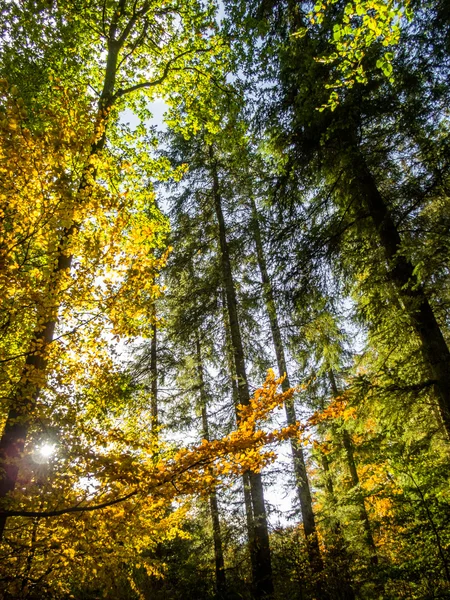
(410, 292)
(337, 556)
(250, 522)
(154, 374)
(245, 478)
(351, 463)
(327, 474)
(439, 541)
(303, 488)
(221, 583)
(30, 557)
(33, 375)
(364, 517)
(264, 582)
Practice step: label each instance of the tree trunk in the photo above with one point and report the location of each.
(245, 478)
(221, 583)
(364, 517)
(303, 488)
(264, 582)
(154, 374)
(337, 556)
(410, 292)
(33, 375)
(328, 481)
(348, 447)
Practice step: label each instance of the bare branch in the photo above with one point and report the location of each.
(131, 23)
(149, 84)
(63, 511)
(138, 41)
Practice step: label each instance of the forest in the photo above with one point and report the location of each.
(224, 299)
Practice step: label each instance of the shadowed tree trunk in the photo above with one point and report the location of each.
(221, 584)
(263, 585)
(302, 483)
(357, 180)
(410, 292)
(348, 447)
(337, 554)
(245, 477)
(154, 374)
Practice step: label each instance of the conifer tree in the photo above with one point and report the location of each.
(342, 148)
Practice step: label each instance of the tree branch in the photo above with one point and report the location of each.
(149, 84)
(63, 511)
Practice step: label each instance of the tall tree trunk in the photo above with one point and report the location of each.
(154, 374)
(33, 376)
(364, 517)
(303, 488)
(338, 555)
(30, 559)
(351, 463)
(221, 583)
(327, 475)
(329, 487)
(410, 292)
(264, 583)
(245, 478)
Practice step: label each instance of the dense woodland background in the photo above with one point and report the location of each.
(290, 217)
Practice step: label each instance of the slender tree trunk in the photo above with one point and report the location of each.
(30, 558)
(33, 376)
(221, 583)
(245, 478)
(351, 463)
(364, 517)
(303, 487)
(410, 292)
(327, 475)
(329, 487)
(338, 555)
(154, 374)
(264, 582)
(250, 522)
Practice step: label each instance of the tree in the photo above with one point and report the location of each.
(125, 28)
(346, 146)
(218, 550)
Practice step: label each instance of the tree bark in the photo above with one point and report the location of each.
(245, 478)
(338, 555)
(221, 584)
(351, 463)
(364, 517)
(410, 291)
(264, 583)
(327, 475)
(301, 476)
(154, 374)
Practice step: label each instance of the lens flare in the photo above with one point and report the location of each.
(47, 450)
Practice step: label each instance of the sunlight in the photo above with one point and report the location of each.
(47, 450)
(43, 452)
